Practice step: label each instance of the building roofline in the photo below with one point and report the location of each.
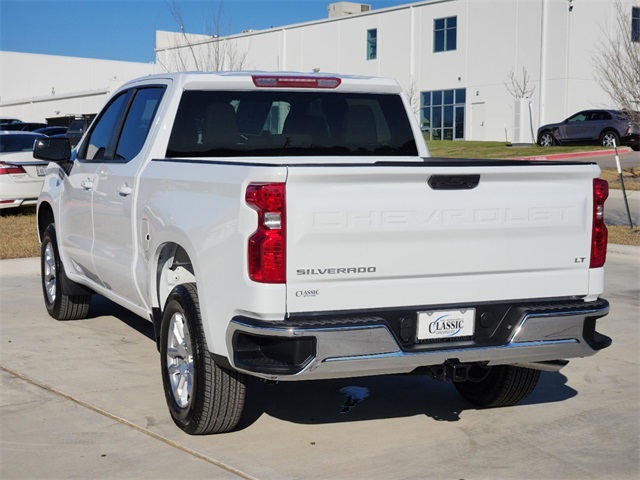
(294, 26)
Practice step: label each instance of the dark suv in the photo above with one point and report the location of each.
(77, 127)
(600, 127)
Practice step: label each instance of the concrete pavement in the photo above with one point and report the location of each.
(83, 399)
(615, 211)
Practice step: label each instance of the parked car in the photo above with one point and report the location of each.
(22, 126)
(598, 127)
(53, 130)
(9, 120)
(332, 246)
(21, 175)
(77, 128)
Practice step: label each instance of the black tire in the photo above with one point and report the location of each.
(212, 398)
(546, 139)
(498, 386)
(608, 138)
(60, 303)
(635, 148)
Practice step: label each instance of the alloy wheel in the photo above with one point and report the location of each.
(180, 360)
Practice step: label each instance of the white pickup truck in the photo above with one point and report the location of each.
(294, 227)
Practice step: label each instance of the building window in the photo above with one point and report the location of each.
(372, 44)
(444, 34)
(635, 24)
(442, 114)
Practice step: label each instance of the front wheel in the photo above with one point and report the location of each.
(610, 139)
(60, 304)
(202, 397)
(498, 386)
(546, 139)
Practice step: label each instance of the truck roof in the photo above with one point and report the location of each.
(287, 80)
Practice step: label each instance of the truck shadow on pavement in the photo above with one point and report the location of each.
(101, 306)
(381, 397)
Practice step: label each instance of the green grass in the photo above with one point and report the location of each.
(465, 149)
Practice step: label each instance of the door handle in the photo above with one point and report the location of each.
(453, 182)
(86, 184)
(125, 190)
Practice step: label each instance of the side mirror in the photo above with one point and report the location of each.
(52, 149)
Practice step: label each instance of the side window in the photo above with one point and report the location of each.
(138, 122)
(635, 24)
(278, 113)
(444, 34)
(97, 144)
(578, 117)
(372, 44)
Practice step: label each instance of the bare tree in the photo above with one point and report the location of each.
(617, 63)
(519, 87)
(209, 52)
(413, 95)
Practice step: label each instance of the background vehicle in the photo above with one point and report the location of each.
(49, 131)
(292, 227)
(9, 120)
(78, 127)
(23, 126)
(598, 127)
(21, 176)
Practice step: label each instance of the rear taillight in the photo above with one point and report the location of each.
(267, 252)
(8, 169)
(599, 234)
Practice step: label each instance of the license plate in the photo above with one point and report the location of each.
(42, 170)
(442, 324)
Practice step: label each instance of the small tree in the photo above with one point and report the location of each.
(210, 52)
(519, 87)
(617, 64)
(413, 95)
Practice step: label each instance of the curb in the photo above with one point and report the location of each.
(564, 156)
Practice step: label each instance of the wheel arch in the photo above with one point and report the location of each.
(609, 129)
(173, 267)
(547, 131)
(45, 217)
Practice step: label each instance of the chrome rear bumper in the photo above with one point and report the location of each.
(294, 351)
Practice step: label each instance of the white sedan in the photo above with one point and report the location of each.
(21, 175)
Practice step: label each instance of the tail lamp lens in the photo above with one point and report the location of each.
(267, 246)
(8, 169)
(599, 235)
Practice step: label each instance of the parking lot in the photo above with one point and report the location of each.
(84, 399)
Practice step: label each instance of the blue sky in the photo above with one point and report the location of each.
(125, 29)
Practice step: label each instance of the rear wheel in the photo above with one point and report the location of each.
(498, 386)
(609, 139)
(60, 304)
(546, 139)
(202, 397)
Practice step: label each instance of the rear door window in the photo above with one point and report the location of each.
(138, 122)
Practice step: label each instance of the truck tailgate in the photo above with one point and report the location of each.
(378, 236)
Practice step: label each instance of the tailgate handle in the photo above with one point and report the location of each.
(453, 182)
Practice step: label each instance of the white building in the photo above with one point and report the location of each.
(453, 57)
(35, 87)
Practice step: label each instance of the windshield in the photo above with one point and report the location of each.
(17, 143)
(285, 123)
